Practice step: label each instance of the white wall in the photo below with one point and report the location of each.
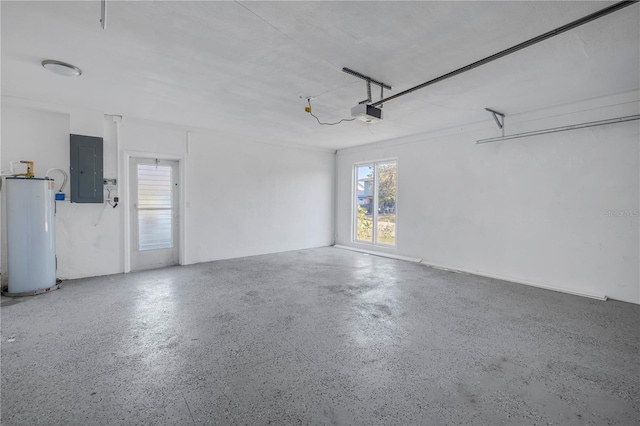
(87, 236)
(242, 197)
(531, 210)
(254, 198)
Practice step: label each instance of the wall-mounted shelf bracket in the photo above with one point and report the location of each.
(497, 114)
(562, 129)
(499, 121)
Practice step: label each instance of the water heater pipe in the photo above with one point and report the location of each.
(29, 173)
(64, 174)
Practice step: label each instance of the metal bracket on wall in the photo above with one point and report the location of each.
(563, 128)
(499, 122)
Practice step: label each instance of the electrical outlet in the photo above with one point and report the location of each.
(110, 183)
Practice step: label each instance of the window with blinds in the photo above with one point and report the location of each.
(155, 207)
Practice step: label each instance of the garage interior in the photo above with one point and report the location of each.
(376, 212)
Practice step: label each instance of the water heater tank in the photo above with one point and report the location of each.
(31, 236)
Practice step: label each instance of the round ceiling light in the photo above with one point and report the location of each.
(62, 68)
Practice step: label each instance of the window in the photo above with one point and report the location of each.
(155, 207)
(375, 203)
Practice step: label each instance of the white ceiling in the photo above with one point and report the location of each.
(241, 67)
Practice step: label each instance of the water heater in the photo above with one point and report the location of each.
(31, 236)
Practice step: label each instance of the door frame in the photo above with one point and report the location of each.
(126, 196)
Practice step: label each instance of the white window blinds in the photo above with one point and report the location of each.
(155, 207)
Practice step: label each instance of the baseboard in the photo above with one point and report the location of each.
(517, 281)
(478, 273)
(377, 253)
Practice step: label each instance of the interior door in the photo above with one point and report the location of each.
(154, 213)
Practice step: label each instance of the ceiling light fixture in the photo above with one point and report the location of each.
(62, 68)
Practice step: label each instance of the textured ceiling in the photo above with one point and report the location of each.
(241, 67)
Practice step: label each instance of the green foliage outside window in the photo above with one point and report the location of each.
(364, 225)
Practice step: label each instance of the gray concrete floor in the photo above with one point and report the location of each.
(322, 336)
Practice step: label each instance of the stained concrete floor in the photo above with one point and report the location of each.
(322, 336)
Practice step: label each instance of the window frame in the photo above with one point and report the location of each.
(375, 202)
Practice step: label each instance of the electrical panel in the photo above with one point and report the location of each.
(86, 169)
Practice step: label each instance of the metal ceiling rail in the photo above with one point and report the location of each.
(369, 80)
(366, 78)
(561, 129)
(530, 42)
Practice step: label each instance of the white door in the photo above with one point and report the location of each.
(154, 213)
